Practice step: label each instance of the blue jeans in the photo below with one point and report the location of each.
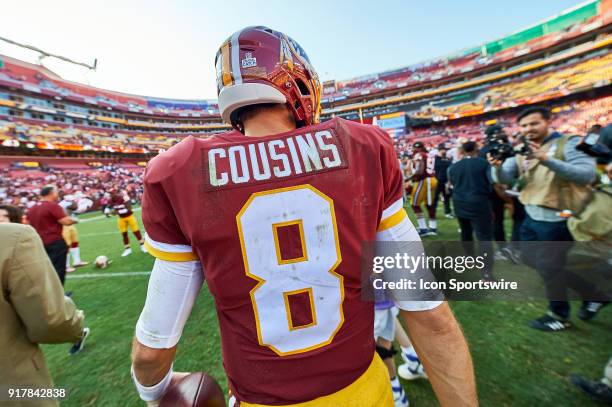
(550, 259)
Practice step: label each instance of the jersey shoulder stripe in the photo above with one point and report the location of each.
(392, 215)
(169, 252)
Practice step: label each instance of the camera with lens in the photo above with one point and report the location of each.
(501, 151)
(590, 145)
(522, 148)
(500, 147)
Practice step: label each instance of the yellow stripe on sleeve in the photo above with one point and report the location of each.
(170, 256)
(392, 220)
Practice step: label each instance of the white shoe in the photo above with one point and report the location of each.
(411, 371)
(143, 249)
(399, 397)
(126, 252)
(70, 269)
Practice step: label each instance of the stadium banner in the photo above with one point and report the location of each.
(26, 164)
(395, 124)
(470, 271)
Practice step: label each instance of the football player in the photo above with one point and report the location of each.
(273, 215)
(122, 207)
(70, 234)
(423, 190)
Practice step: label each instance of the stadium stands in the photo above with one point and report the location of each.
(558, 29)
(37, 79)
(572, 118)
(555, 82)
(53, 136)
(21, 187)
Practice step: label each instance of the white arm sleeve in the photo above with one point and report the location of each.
(173, 289)
(406, 239)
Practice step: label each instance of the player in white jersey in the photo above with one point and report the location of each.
(71, 236)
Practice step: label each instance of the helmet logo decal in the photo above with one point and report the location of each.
(249, 61)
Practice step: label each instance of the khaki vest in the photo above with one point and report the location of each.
(543, 187)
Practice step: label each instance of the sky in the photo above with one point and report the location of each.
(167, 48)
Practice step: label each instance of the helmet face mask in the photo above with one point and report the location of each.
(258, 65)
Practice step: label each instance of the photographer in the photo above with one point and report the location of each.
(554, 177)
(498, 145)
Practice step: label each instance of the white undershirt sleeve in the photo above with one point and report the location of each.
(398, 235)
(173, 289)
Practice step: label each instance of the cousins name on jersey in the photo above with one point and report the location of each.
(295, 155)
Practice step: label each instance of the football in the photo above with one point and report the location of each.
(101, 262)
(194, 390)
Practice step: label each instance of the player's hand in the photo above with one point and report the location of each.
(495, 163)
(537, 152)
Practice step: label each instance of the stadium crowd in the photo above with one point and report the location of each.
(550, 82)
(15, 132)
(575, 117)
(23, 191)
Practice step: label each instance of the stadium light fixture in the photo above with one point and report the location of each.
(45, 54)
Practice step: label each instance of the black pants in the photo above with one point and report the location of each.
(482, 227)
(57, 252)
(497, 204)
(441, 189)
(518, 217)
(544, 247)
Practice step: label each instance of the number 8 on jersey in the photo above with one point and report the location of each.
(309, 213)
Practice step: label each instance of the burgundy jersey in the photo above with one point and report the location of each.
(278, 224)
(421, 159)
(118, 203)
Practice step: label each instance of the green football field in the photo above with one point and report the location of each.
(515, 365)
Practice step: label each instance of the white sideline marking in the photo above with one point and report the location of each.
(99, 234)
(96, 275)
(104, 216)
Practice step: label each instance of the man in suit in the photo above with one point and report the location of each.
(33, 310)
